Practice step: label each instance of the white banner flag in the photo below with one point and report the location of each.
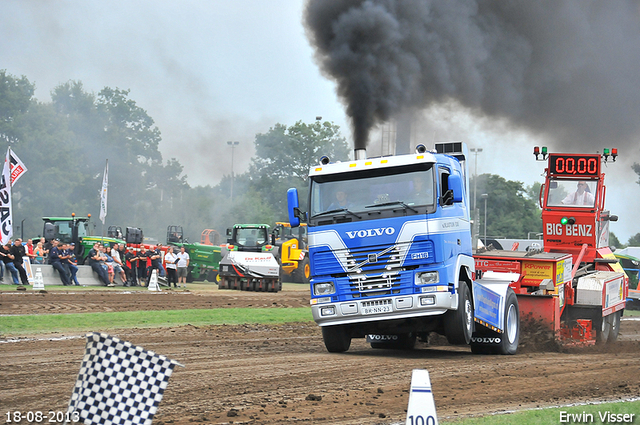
(17, 167)
(103, 194)
(6, 219)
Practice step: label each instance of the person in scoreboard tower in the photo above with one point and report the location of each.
(581, 197)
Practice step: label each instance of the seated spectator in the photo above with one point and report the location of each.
(56, 257)
(39, 253)
(19, 252)
(7, 259)
(95, 259)
(69, 259)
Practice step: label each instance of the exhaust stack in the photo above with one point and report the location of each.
(360, 154)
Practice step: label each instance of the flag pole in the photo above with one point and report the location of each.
(6, 219)
(103, 196)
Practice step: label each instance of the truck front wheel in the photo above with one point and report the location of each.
(458, 324)
(336, 338)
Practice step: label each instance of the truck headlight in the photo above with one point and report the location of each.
(324, 288)
(427, 278)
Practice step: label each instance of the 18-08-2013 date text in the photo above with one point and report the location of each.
(38, 416)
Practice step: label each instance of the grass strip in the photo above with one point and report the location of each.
(33, 324)
(590, 413)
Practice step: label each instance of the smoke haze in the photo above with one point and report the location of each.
(566, 71)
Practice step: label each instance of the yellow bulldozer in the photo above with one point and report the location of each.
(292, 252)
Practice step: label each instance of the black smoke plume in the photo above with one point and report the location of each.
(565, 69)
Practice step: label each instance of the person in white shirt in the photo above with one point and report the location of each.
(118, 266)
(171, 260)
(183, 263)
(581, 197)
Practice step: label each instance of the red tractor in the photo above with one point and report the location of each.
(574, 286)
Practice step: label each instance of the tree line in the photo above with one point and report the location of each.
(64, 143)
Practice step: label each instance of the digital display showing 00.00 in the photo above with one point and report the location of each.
(574, 165)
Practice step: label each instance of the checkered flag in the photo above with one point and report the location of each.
(118, 383)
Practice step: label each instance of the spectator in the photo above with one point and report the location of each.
(95, 261)
(154, 262)
(39, 253)
(70, 259)
(142, 264)
(29, 249)
(56, 261)
(18, 251)
(131, 266)
(108, 264)
(118, 266)
(171, 261)
(7, 259)
(161, 268)
(183, 264)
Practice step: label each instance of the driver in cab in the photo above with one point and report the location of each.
(342, 201)
(581, 197)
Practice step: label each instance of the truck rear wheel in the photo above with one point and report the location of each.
(486, 341)
(604, 330)
(615, 327)
(336, 338)
(458, 324)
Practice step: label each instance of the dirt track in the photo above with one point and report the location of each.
(282, 374)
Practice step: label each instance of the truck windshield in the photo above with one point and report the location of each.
(373, 194)
(251, 237)
(572, 193)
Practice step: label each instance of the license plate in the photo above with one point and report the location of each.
(376, 309)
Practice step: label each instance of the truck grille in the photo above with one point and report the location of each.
(368, 283)
(374, 271)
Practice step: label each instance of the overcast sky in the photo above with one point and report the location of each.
(211, 71)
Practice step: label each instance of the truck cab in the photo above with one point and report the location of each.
(390, 247)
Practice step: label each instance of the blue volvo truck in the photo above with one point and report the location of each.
(391, 256)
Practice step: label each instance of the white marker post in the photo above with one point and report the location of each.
(38, 281)
(153, 282)
(422, 408)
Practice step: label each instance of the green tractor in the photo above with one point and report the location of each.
(76, 230)
(204, 259)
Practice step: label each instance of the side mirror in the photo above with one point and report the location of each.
(229, 232)
(455, 184)
(293, 207)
